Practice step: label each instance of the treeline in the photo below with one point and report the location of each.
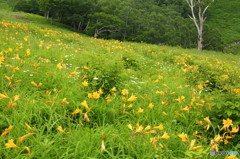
(163, 22)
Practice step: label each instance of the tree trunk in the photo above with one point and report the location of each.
(47, 15)
(200, 36)
(79, 26)
(87, 25)
(200, 20)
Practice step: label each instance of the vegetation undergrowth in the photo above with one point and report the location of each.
(65, 95)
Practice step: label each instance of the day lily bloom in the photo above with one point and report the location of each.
(60, 66)
(147, 128)
(16, 97)
(234, 130)
(74, 73)
(139, 129)
(14, 69)
(8, 78)
(85, 83)
(199, 104)
(7, 130)
(192, 144)
(180, 99)
(160, 77)
(11, 104)
(124, 92)
(164, 136)
(100, 91)
(77, 111)
(130, 126)
(164, 103)
(113, 89)
(185, 109)
(214, 145)
(3, 96)
(160, 127)
(85, 67)
(94, 95)
(150, 132)
(184, 137)
(64, 101)
(1, 59)
(59, 128)
(23, 137)
(231, 157)
(85, 117)
(37, 85)
(160, 92)
(178, 114)
(108, 100)
(11, 144)
(229, 137)
(207, 120)
(217, 138)
(140, 110)
(132, 98)
(130, 106)
(28, 52)
(196, 147)
(236, 90)
(150, 105)
(84, 77)
(200, 123)
(84, 103)
(165, 85)
(195, 134)
(225, 142)
(180, 87)
(227, 123)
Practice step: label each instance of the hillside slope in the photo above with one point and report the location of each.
(65, 95)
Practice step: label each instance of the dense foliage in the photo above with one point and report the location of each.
(153, 21)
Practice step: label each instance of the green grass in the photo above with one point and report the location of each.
(44, 71)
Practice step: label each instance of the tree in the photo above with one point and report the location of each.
(202, 6)
(102, 23)
(49, 7)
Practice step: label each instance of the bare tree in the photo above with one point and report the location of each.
(201, 8)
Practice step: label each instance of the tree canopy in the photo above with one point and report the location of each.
(164, 22)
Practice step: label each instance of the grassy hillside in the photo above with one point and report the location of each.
(65, 95)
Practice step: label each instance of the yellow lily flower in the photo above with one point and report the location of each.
(140, 110)
(164, 136)
(7, 130)
(160, 127)
(84, 103)
(183, 136)
(132, 98)
(85, 83)
(11, 144)
(23, 137)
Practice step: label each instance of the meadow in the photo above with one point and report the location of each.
(66, 95)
